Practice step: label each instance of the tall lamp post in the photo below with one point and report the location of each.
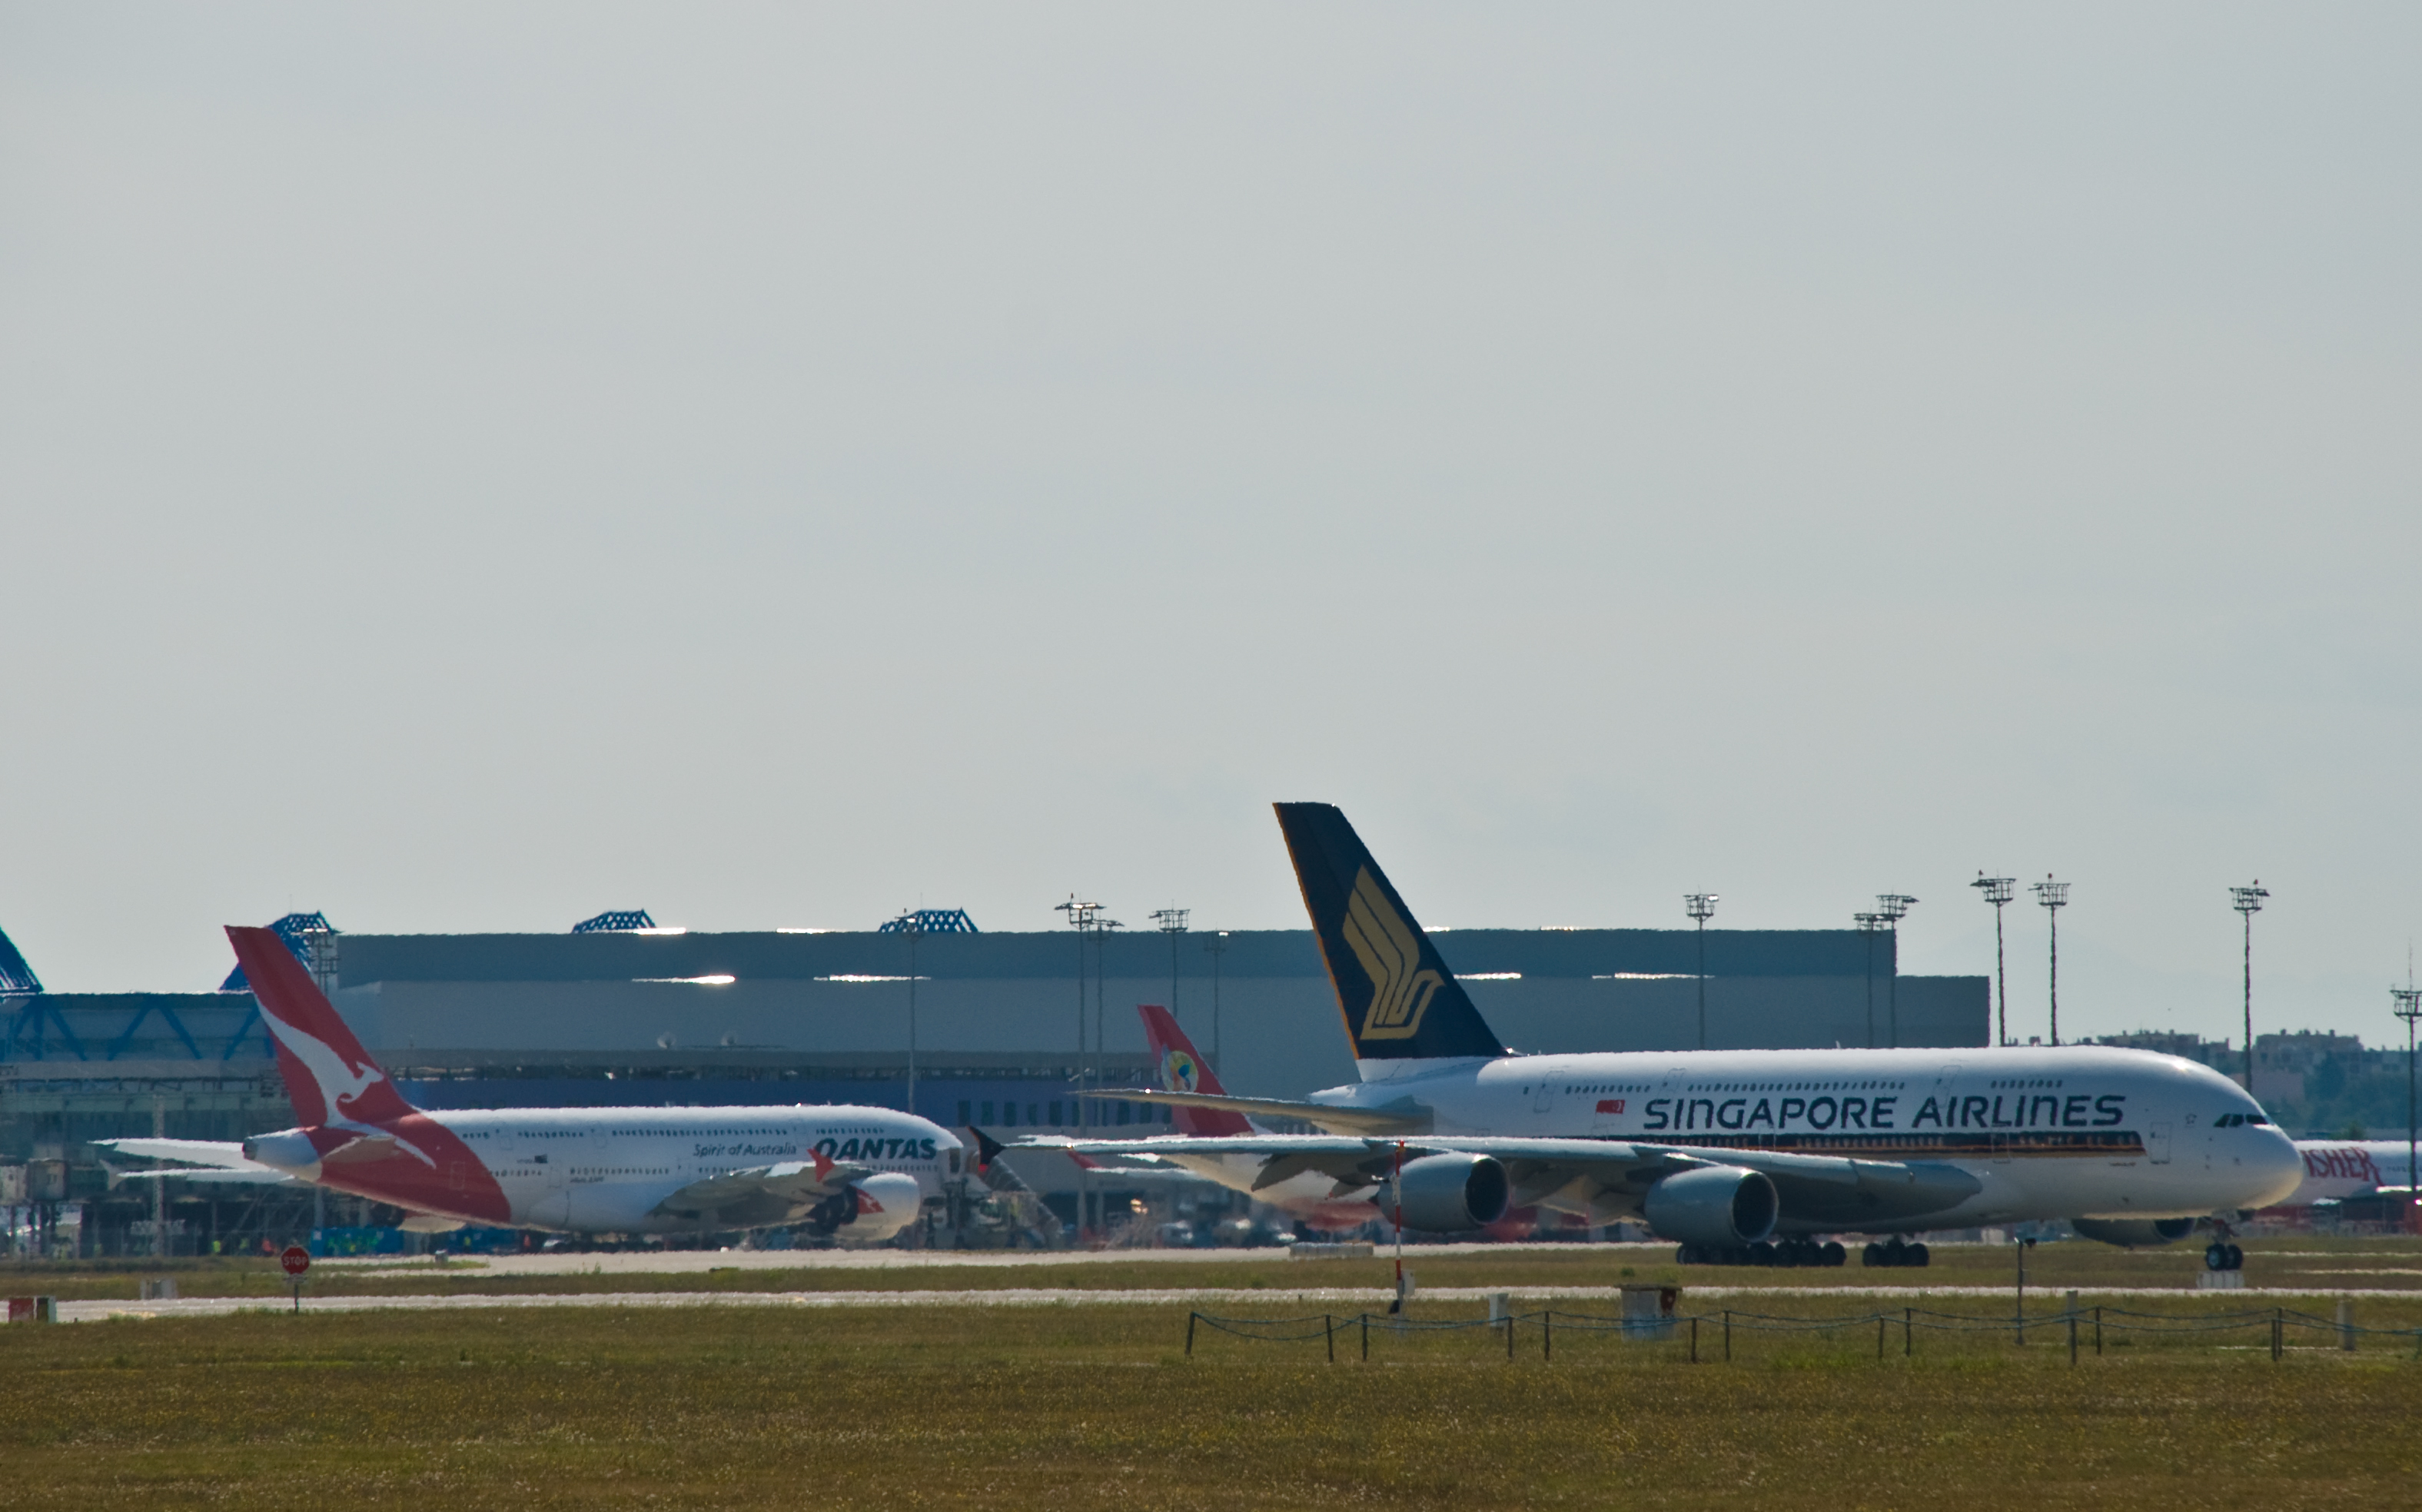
(2409, 1007)
(1703, 907)
(2054, 897)
(1894, 907)
(1998, 890)
(1870, 925)
(912, 923)
(1216, 946)
(1081, 915)
(2248, 902)
(1173, 924)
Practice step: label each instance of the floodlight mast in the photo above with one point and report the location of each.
(1173, 924)
(2054, 897)
(2409, 1007)
(1081, 917)
(1894, 907)
(1214, 948)
(911, 923)
(1869, 924)
(1999, 890)
(2248, 901)
(1703, 907)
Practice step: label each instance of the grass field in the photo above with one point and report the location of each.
(2320, 1265)
(1095, 1405)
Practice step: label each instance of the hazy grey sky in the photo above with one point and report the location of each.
(464, 467)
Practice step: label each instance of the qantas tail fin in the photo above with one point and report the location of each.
(1183, 1070)
(329, 1077)
(1400, 1001)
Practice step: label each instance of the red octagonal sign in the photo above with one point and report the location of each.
(296, 1259)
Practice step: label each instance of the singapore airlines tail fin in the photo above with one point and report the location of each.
(329, 1077)
(1183, 1070)
(1399, 1001)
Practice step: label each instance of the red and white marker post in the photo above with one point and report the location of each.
(296, 1260)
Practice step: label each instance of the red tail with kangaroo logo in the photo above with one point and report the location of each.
(357, 1134)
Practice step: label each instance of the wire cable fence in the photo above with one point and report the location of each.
(2082, 1329)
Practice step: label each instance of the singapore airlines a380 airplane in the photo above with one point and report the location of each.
(859, 1174)
(1733, 1153)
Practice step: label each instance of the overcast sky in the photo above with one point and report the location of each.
(467, 467)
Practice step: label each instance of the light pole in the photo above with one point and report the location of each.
(1173, 924)
(2248, 902)
(1894, 907)
(1999, 890)
(911, 923)
(2409, 1007)
(1216, 946)
(2054, 897)
(1869, 924)
(1079, 916)
(1703, 907)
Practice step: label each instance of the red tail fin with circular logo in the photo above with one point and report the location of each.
(1182, 1070)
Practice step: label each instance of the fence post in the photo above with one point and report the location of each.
(1328, 1335)
(1728, 1335)
(1694, 1339)
(1366, 1336)
(1879, 1335)
(2073, 1338)
(1908, 1329)
(1509, 1335)
(2346, 1323)
(2098, 1329)
(2278, 1326)
(1189, 1333)
(1547, 1335)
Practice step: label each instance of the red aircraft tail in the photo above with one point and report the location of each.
(329, 1077)
(1183, 1070)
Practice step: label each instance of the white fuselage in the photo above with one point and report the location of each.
(606, 1170)
(2335, 1170)
(2080, 1131)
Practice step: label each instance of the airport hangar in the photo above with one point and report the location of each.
(622, 1012)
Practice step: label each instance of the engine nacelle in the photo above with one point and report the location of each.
(1448, 1194)
(878, 1206)
(2134, 1233)
(1727, 1207)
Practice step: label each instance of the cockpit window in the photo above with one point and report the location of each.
(2234, 1120)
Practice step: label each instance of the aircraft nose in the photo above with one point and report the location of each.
(2273, 1166)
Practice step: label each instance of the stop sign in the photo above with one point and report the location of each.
(296, 1259)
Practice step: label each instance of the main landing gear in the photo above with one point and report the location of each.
(2222, 1256)
(1779, 1253)
(1894, 1251)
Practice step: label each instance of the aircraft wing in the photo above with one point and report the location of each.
(205, 1160)
(1580, 1174)
(1404, 1116)
(763, 1194)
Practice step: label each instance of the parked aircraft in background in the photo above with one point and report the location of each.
(1724, 1151)
(859, 1174)
(2335, 1170)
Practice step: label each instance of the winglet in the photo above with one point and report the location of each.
(987, 1149)
(329, 1077)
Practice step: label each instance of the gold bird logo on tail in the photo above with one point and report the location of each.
(1390, 953)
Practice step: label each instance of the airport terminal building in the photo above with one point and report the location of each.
(1006, 1026)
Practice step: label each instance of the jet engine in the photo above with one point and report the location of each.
(1449, 1193)
(871, 1209)
(2134, 1233)
(1729, 1206)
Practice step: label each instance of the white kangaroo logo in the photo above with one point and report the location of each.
(339, 1083)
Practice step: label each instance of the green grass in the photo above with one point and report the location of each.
(1084, 1406)
(2317, 1264)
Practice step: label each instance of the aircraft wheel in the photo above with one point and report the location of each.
(2236, 1258)
(1918, 1256)
(1763, 1254)
(1834, 1253)
(2216, 1257)
(1873, 1255)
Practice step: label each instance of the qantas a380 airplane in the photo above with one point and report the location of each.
(857, 1173)
(1733, 1153)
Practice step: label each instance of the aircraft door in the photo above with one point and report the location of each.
(2157, 1143)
